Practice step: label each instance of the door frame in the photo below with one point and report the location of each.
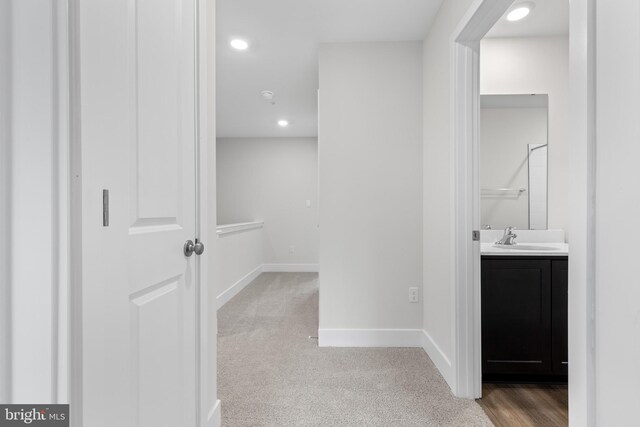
(465, 68)
(465, 56)
(5, 217)
(68, 23)
(206, 414)
(52, 373)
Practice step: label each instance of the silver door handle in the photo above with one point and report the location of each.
(199, 247)
(190, 248)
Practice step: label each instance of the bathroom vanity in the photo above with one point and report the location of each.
(524, 264)
(524, 312)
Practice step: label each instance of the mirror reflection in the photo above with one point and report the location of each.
(513, 161)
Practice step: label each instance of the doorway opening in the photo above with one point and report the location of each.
(500, 184)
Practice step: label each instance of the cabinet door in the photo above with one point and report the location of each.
(559, 317)
(516, 316)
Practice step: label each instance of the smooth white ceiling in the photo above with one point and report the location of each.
(548, 18)
(284, 36)
(283, 55)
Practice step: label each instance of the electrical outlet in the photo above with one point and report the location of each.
(292, 249)
(413, 294)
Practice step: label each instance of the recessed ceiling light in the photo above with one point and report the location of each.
(518, 14)
(520, 11)
(239, 44)
(283, 123)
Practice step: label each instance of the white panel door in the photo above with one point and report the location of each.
(138, 141)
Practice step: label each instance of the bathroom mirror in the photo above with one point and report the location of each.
(513, 161)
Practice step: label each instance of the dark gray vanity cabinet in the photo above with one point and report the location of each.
(559, 317)
(524, 318)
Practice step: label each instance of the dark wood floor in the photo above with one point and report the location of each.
(526, 405)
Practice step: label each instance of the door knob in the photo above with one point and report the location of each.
(190, 248)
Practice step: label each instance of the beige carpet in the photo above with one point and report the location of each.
(271, 374)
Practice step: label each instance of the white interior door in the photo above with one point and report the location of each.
(137, 127)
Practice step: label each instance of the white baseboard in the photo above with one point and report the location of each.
(290, 268)
(370, 337)
(214, 418)
(233, 290)
(438, 358)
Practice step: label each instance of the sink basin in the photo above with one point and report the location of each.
(541, 249)
(519, 247)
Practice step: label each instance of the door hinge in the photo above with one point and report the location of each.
(475, 235)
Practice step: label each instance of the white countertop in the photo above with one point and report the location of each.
(526, 249)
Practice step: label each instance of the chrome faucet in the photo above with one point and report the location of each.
(509, 237)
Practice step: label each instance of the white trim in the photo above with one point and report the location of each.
(203, 358)
(465, 60)
(465, 92)
(290, 268)
(438, 358)
(234, 289)
(75, 390)
(582, 219)
(370, 337)
(221, 230)
(214, 417)
(60, 300)
(55, 219)
(5, 203)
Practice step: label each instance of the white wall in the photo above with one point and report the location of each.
(238, 260)
(617, 212)
(438, 189)
(271, 179)
(537, 65)
(370, 185)
(35, 263)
